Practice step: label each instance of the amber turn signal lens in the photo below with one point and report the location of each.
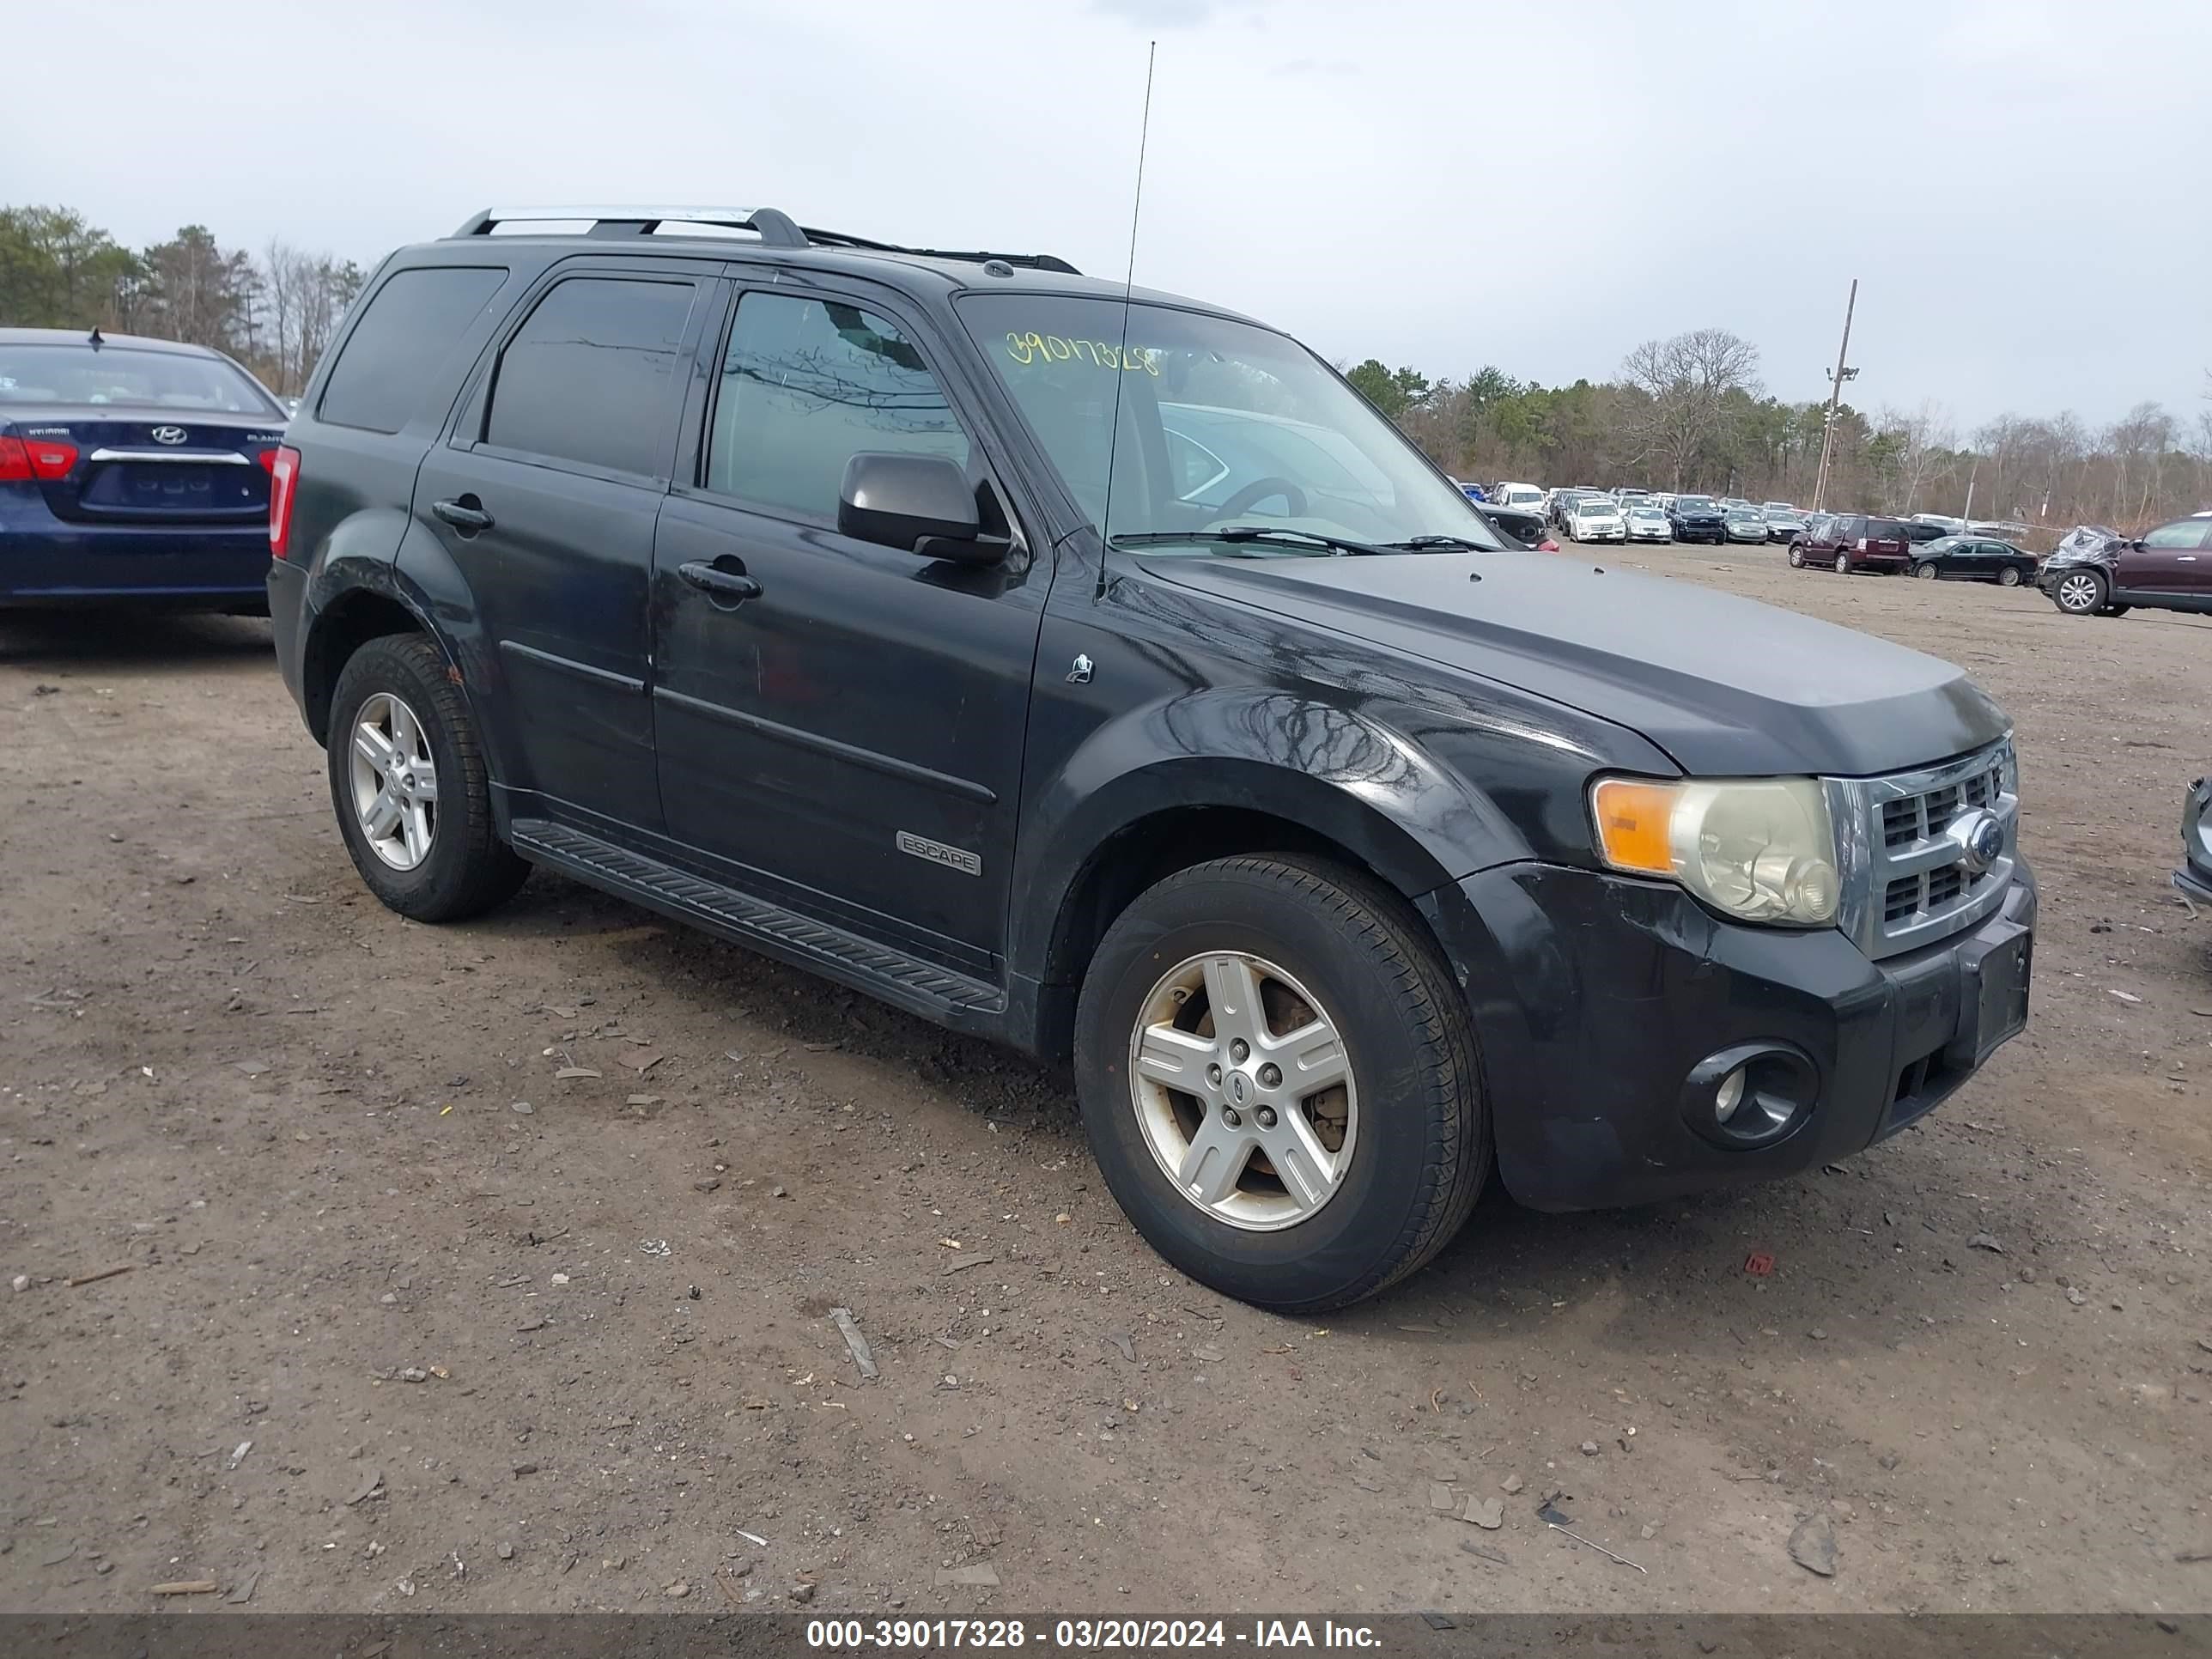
(1633, 819)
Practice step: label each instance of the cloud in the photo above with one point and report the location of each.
(1169, 13)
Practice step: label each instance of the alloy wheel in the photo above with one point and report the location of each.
(2078, 593)
(395, 781)
(1243, 1091)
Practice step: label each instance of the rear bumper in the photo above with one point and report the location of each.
(286, 586)
(1596, 996)
(59, 563)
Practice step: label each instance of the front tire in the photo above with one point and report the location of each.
(409, 784)
(1796, 556)
(1212, 1002)
(2079, 592)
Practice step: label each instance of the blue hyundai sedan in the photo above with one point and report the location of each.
(132, 470)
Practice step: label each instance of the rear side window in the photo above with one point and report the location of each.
(392, 358)
(590, 375)
(807, 385)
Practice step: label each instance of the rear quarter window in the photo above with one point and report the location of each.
(396, 353)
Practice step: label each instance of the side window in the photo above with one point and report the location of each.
(2188, 534)
(808, 383)
(393, 356)
(590, 375)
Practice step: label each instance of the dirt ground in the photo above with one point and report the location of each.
(412, 1320)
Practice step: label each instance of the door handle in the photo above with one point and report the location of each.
(466, 515)
(731, 587)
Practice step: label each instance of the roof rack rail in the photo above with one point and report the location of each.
(775, 229)
(1027, 261)
(772, 228)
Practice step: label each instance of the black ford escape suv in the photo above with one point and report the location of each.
(1109, 679)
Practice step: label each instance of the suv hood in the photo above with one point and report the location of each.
(1728, 687)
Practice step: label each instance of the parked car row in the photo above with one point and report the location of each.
(1849, 542)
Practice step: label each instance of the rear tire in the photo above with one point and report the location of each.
(1926, 573)
(459, 866)
(1411, 1125)
(1842, 564)
(2009, 577)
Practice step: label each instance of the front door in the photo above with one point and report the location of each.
(545, 500)
(2173, 562)
(840, 724)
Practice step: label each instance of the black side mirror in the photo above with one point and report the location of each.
(920, 504)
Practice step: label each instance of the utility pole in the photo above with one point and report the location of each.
(1835, 398)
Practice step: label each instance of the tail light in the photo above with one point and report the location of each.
(50, 458)
(283, 464)
(24, 459)
(268, 459)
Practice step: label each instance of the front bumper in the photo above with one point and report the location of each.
(1595, 996)
(2194, 878)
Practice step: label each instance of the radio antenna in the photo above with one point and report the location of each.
(1129, 292)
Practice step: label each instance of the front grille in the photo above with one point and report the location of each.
(1908, 885)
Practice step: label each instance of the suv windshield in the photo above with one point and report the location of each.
(123, 375)
(1222, 424)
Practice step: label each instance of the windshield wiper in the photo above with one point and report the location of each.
(1416, 543)
(1238, 534)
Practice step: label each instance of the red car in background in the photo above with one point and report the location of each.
(1854, 541)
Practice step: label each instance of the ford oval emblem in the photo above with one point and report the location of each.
(168, 435)
(1980, 839)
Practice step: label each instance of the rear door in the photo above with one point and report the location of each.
(545, 498)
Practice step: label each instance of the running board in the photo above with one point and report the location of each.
(920, 988)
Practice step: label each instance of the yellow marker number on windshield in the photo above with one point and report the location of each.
(1100, 354)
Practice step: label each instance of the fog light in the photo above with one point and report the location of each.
(1750, 1094)
(1728, 1096)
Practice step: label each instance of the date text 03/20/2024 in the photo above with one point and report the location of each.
(1084, 1635)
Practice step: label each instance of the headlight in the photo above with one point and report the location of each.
(1762, 849)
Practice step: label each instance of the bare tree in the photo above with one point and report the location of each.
(1688, 379)
(1924, 449)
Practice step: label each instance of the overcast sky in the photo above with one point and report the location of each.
(2017, 183)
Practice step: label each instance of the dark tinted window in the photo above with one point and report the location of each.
(808, 383)
(591, 374)
(1886, 530)
(393, 356)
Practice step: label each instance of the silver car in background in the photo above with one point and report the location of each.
(1785, 523)
(1647, 524)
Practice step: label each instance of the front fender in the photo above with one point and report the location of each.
(1342, 774)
